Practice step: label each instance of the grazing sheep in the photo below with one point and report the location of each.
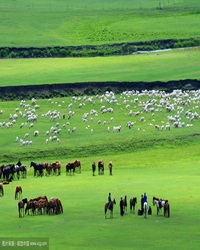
(36, 133)
(26, 135)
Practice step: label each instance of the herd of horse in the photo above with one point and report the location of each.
(160, 203)
(8, 171)
(40, 205)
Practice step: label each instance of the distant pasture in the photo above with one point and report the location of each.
(75, 126)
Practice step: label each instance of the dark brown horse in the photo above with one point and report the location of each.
(109, 206)
(56, 166)
(54, 206)
(101, 167)
(166, 209)
(110, 166)
(1, 190)
(125, 204)
(18, 192)
(133, 202)
(23, 170)
(77, 164)
(21, 206)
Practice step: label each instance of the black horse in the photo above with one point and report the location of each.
(133, 202)
(70, 167)
(101, 167)
(8, 171)
(38, 167)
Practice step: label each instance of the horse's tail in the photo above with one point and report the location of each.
(168, 210)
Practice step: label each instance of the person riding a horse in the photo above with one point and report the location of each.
(109, 200)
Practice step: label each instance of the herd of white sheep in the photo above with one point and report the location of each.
(179, 109)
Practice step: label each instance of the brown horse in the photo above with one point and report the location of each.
(110, 165)
(160, 203)
(109, 206)
(56, 166)
(77, 164)
(47, 167)
(23, 170)
(167, 209)
(101, 167)
(133, 202)
(52, 206)
(18, 192)
(21, 206)
(1, 190)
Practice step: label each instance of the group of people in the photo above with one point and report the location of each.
(143, 200)
(122, 204)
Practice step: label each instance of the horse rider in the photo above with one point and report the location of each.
(109, 200)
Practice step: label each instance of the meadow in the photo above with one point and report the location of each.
(158, 66)
(29, 23)
(160, 162)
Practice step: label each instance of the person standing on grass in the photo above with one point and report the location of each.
(93, 168)
(121, 204)
(142, 202)
(145, 197)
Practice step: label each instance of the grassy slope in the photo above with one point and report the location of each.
(27, 23)
(165, 66)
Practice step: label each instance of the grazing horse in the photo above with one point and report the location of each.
(145, 209)
(109, 206)
(37, 167)
(125, 204)
(133, 202)
(56, 166)
(54, 206)
(21, 206)
(1, 190)
(110, 165)
(69, 167)
(160, 203)
(18, 192)
(101, 167)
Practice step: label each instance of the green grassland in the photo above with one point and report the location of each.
(63, 23)
(142, 135)
(158, 66)
(82, 225)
